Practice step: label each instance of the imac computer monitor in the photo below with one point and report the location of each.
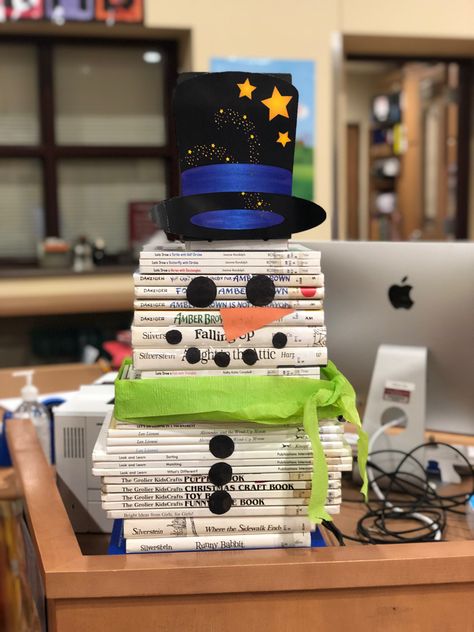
(405, 293)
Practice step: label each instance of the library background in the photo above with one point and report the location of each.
(132, 300)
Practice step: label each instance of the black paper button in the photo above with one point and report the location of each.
(220, 474)
(221, 446)
(173, 337)
(220, 502)
(193, 355)
(222, 359)
(249, 356)
(279, 340)
(201, 292)
(260, 290)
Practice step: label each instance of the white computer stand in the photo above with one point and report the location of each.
(398, 391)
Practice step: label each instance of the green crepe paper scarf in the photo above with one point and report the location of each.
(259, 399)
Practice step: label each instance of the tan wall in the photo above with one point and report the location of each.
(303, 30)
(266, 28)
(419, 18)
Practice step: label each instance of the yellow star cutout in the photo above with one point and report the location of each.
(283, 138)
(246, 89)
(276, 104)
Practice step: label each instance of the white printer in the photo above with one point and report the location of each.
(76, 425)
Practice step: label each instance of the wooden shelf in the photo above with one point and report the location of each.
(72, 294)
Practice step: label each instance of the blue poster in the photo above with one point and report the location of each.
(303, 75)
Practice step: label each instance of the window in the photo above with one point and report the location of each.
(84, 130)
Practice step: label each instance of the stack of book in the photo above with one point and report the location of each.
(208, 485)
(180, 298)
(173, 492)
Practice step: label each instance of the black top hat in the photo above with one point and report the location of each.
(236, 138)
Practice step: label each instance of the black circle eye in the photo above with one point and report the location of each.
(279, 340)
(220, 474)
(220, 502)
(249, 356)
(221, 446)
(193, 355)
(260, 290)
(173, 337)
(222, 359)
(201, 292)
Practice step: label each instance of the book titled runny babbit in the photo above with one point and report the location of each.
(228, 426)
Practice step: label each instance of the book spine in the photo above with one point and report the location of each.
(211, 429)
(332, 495)
(107, 469)
(190, 445)
(219, 543)
(193, 318)
(263, 357)
(206, 429)
(208, 487)
(196, 440)
(329, 440)
(181, 454)
(232, 293)
(295, 337)
(203, 503)
(174, 488)
(247, 260)
(149, 268)
(222, 255)
(201, 512)
(157, 304)
(184, 527)
(229, 280)
(312, 373)
(181, 481)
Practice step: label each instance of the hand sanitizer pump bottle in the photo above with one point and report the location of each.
(31, 408)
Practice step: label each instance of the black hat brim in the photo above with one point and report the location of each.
(221, 216)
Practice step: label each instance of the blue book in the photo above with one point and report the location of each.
(117, 541)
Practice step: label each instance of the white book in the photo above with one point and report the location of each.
(108, 469)
(241, 244)
(157, 304)
(248, 263)
(265, 337)
(312, 373)
(149, 268)
(330, 440)
(331, 448)
(332, 496)
(185, 527)
(203, 503)
(266, 458)
(256, 486)
(208, 487)
(205, 429)
(229, 280)
(146, 359)
(202, 318)
(201, 512)
(226, 293)
(247, 260)
(334, 477)
(222, 255)
(219, 543)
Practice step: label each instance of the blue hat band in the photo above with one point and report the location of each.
(235, 177)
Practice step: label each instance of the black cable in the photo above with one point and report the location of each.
(379, 524)
(330, 526)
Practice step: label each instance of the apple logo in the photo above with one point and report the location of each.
(399, 295)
